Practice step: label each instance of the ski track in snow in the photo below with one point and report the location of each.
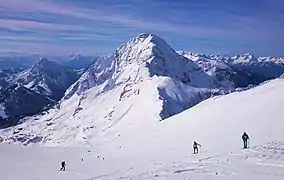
(118, 119)
(43, 164)
(209, 167)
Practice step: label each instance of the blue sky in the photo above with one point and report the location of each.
(61, 27)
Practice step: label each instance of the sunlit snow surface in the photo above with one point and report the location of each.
(144, 78)
(163, 150)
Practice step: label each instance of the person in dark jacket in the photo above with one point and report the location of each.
(63, 166)
(245, 138)
(195, 147)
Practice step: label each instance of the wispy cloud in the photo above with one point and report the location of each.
(100, 15)
(108, 23)
(22, 24)
(30, 6)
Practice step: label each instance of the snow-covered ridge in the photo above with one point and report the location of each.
(25, 92)
(240, 70)
(239, 58)
(140, 59)
(144, 77)
(47, 78)
(145, 71)
(100, 72)
(145, 58)
(164, 149)
(160, 59)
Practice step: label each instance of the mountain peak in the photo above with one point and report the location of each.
(144, 35)
(44, 62)
(75, 56)
(249, 56)
(142, 48)
(245, 58)
(137, 60)
(47, 78)
(43, 59)
(147, 39)
(152, 55)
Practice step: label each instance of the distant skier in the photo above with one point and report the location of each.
(195, 147)
(63, 166)
(245, 138)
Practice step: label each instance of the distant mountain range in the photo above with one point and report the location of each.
(15, 60)
(240, 70)
(27, 91)
(143, 77)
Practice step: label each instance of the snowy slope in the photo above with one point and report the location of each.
(8, 75)
(161, 60)
(140, 59)
(117, 88)
(163, 151)
(97, 74)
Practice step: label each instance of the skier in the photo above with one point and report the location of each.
(195, 147)
(63, 166)
(245, 138)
